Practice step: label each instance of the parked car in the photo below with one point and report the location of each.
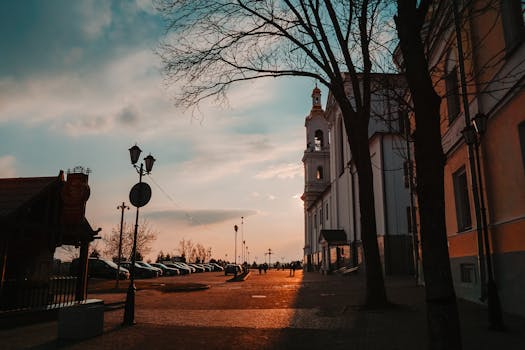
(217, 267)
(197, 267)
(209, 267)
(145, 264)
(141, 271)
(184, 270)
(205, 267)
(232, 269)
(100, 268)
(168, 271)
(192, 269)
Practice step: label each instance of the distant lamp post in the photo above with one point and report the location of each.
(119, 257)
(473, 134)
(235, 228)
(139, 196)
(269, 258)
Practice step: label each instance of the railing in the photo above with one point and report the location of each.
(16, 295)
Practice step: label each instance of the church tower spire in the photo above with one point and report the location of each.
(316, 158)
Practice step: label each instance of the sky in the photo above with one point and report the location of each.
(80, 84)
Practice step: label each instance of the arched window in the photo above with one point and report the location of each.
(319, 142)
(319, 175)
(452, 87)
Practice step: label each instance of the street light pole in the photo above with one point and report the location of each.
(470, 147)
(235, 227)
(119, 257)
(139, 196)
(242, 237)
(269, 258)
(493, 301)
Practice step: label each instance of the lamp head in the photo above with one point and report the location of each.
(134, 154)
(149, 160)
(235, 227)
(480, 123)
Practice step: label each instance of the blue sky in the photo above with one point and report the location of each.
(80, 84)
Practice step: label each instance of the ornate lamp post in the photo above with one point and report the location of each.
(473, 134)
(139, 196)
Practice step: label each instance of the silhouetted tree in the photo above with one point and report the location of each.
(214, 44)
(146, 235)
(442, 313)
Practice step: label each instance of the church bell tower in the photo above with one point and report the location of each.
(316, 158)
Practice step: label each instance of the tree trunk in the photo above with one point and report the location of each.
(375, 285)
(359, 146)
(442, 314)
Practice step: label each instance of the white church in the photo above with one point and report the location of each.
(332, 237)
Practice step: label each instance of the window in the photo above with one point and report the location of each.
(521, 132)
(321, 216)
(319, 174)
(468, 273)
(513, 22)
(452, 91)
(463, 217)
(326, 211)
(315, 221)
(318, 140)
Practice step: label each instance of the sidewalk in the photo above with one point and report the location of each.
(325, 314)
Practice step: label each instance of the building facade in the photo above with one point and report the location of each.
(331, 196)
(484, 182)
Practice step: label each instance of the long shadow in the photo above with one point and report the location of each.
(329, 313)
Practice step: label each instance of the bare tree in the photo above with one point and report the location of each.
(185, 249)
(442, 313)
(214, 44)
(146, 235)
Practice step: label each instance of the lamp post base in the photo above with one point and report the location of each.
(129, 308)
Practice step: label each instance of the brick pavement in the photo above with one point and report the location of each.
(307, 311)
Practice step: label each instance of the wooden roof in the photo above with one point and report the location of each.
(16, 193)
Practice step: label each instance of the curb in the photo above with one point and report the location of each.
(240, 278)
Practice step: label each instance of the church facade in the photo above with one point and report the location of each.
(331, 195)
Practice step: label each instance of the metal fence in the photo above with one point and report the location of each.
(56, 292)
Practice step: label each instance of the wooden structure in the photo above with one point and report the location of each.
(37, 215)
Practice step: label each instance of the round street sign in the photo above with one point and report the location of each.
(140, 194)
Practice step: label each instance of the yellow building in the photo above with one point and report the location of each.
(493, 50)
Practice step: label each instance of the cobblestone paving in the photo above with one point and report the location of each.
(272, 311)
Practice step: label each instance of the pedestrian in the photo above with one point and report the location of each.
(260, 268)
(265, 267)
(292, 269)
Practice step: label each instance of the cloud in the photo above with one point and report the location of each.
(200, 217)
(282, 171)
(7, 166)
(128, 115)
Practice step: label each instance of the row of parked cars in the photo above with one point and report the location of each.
(102, 268)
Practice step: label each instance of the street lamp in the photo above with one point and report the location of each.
(139, 196)
(473, 134)
(119, 259)
(242, 238)
(235, 227)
